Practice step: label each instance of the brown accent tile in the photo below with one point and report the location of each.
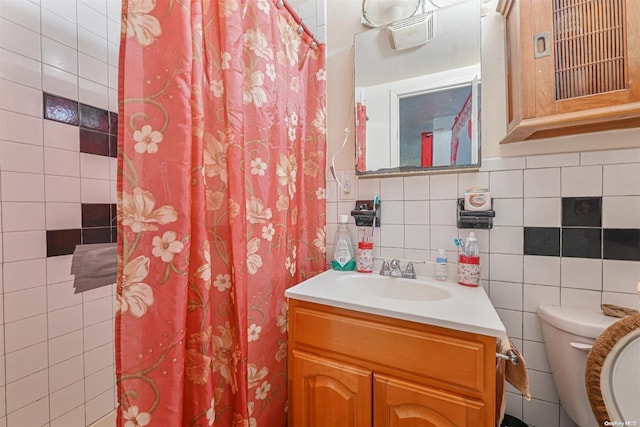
(113, 123)
(113, 146)
(62, 242)
(60, 109)
(96, 215)
(92, 142)
(94, 118)
(96, 235)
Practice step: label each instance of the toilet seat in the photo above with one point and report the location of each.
(612, 373)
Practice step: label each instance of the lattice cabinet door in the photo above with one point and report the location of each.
(572, 66)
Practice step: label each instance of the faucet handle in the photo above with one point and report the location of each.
(385, 270)
(409, 271)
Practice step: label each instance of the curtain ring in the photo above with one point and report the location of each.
(300, 29)
(314, 45)
(279, 4)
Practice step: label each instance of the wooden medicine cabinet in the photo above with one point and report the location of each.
(572, 66)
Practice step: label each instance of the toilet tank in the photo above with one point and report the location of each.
(569, 333)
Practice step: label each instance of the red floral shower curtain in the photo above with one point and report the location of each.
(221, 207)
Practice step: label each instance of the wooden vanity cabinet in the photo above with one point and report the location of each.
(572, 66)
(348, 368)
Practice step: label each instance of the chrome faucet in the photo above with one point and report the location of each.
(396, 271)
(392, 268)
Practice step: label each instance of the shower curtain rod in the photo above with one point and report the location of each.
(298, 20)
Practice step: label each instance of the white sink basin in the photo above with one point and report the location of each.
(423, 300)
(391, 288)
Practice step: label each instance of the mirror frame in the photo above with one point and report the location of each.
(438, 81)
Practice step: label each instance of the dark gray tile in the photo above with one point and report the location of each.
(621, 244)
(544, 241)
(582, 242)
(581, 211)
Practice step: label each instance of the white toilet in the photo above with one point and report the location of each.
(568, 334)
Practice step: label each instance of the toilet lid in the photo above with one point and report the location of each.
(613, 373)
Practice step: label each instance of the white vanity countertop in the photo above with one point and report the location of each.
(466, 309)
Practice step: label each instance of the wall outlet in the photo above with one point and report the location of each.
(348, 181)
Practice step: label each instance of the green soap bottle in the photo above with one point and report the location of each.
(344, 258)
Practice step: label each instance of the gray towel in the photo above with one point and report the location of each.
(94, 266)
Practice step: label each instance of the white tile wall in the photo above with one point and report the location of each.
(59, 135)
(18, 157)
(542, 182)
(581, 273)
(542, 212)
(61, 162)
(18, 216)
(22, 187)
(503, 184)
(621, 180)
(66, 399)
(20, 69)
(527, 192)
(70, 49)
(29, 45)
(74, 417)
(34, 414)
(66, 373)
(621, 211)
(20, 128)
(25, 362)
(443, 186)
(22, 275)
(582, 181)
(25, 333)
(63, 216)
(65, 347)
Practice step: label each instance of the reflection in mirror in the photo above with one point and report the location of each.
(418, 109)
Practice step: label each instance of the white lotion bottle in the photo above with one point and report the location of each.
(441, 265)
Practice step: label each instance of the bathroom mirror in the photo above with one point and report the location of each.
(417, 92)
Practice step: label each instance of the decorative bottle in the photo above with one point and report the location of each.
(343, 254)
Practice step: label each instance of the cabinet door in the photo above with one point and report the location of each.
(573, 66)
(400, 403)
(327, 393)
(592, 54)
